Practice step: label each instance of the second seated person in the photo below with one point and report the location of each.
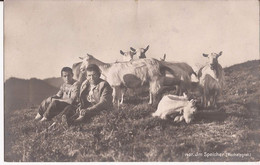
(95, 96)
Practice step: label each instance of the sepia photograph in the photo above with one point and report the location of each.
(131, 81)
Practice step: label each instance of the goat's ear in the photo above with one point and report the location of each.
(192, 101)
(81, 58)
(147, 48)
(121, 52)
(220, 53)
(205, 55)
(132, 49)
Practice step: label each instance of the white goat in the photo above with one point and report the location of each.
(211, 78)
(132, 74)
(180, 106)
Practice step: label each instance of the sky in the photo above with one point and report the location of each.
(41, 37)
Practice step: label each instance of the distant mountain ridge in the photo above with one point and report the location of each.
(54, 81)
(21, 93)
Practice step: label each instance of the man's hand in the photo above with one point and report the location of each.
(83, 112)
(82, 115)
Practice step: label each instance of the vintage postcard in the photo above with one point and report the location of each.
(131, 81)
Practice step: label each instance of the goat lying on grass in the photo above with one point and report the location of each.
(179, 105)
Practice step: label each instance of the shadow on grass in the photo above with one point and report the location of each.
(249, 105)
(221, 113)
(136, 100)
(211, 116)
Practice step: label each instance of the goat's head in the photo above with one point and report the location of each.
(141, 51)
(128, 56)
(213, 59)
(189, 111)
(86, 60)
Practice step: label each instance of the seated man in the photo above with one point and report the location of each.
(67, 95)
(95, 96)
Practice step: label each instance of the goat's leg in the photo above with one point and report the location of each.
(151, 98)
(122, 98)
(210, 102)
(122, 95)
(215, 100)
(114, 95)
(205, 101)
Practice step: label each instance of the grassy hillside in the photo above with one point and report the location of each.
(229, 133)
